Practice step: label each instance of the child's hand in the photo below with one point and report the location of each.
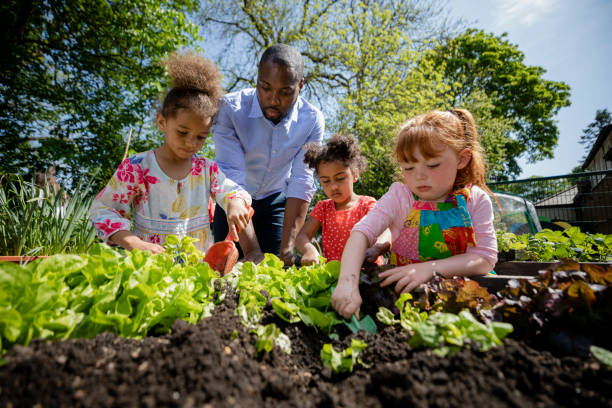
(129, 241)
(310, 256)
(238, 216)
(408, 277)
(346, 300)
(149, 246)
(376, 250)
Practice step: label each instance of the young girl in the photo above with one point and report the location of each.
(441, 218)
(166, 190)
(337, 165)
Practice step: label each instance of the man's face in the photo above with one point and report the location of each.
(277, 90)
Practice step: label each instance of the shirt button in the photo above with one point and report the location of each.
(273, 151)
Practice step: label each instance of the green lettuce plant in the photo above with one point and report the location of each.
(295, 294)
(446, 333)
(550, 245)
(131, 294)
(345, 360)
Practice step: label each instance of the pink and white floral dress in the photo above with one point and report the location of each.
(141, 198)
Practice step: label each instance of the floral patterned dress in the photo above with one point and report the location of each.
(141, 198)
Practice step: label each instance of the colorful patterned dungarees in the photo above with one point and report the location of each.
(435, 230)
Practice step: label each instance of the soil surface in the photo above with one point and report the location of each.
(211, 364)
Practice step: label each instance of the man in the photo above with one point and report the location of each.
(258, 135)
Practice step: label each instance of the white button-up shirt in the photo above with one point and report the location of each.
(260, 156)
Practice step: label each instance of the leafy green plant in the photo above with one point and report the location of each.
(345, 360)
(295, 294)
(602, 355)
(33, 221)
(550, 245)
(269, 336)
(131, 294)
(446, 333)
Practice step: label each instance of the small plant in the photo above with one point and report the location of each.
(446, 333)
(550, 245)
(343, 361)
(269, 336)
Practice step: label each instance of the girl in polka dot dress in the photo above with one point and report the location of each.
(338, 165)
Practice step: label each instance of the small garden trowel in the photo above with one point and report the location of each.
(223, 255)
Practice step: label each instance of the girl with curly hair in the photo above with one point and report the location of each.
(338, 165)
(167, 190)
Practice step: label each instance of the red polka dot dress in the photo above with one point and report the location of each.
(337, 225)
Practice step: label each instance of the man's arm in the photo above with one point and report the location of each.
(229, 152)
(295, 214)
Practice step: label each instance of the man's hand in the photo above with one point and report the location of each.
(295, 214)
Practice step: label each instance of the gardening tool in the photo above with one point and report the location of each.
(223, 255)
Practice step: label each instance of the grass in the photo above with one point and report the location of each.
(34, 221)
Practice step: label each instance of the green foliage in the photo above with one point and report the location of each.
(295, 294)
(476, 63)
(35, 221)
(446, 333)
(345, 360)
(361, 63)
(602, 355)
(550, 245)
(72, 296)
(267, 337)
(76, 75)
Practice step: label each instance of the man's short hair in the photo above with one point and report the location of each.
(285, 55)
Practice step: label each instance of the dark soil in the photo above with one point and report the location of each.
(211, 364)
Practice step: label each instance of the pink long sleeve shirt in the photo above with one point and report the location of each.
(393, 208)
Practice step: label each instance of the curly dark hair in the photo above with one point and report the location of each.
(195, 85)
(340, 148)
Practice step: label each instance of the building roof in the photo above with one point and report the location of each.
(603, 135)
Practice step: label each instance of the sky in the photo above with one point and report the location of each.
(572, 41)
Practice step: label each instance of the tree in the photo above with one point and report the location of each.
(76, 75)
(479, 63)
(361, 62)
(589, 135)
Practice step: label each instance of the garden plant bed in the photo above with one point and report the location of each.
(208, 365)
(218, 356)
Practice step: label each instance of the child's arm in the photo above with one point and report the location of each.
(110, 210)
(346, 299)
(408, 277)
(303, 243)
(129, 241)
(381, 247)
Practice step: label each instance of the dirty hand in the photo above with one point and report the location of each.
(346, 300)
(310, 257)
(237, 216)
(287, 257)
(408, 277)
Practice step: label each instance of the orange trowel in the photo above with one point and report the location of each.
(223, 255)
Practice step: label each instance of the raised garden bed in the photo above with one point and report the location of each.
(213, 363)
(508, 270)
